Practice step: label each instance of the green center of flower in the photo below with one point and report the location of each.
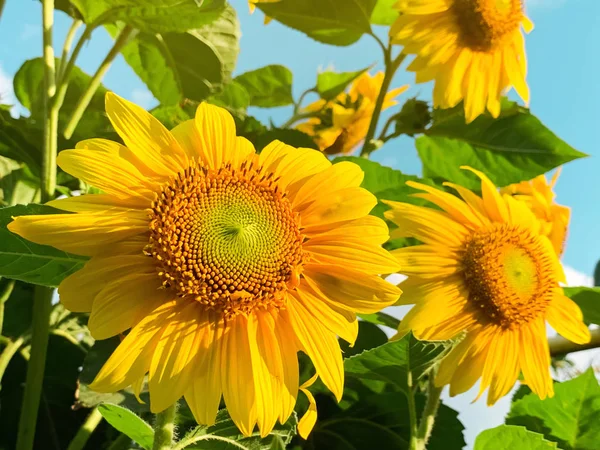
(227, 238)
(509, 274)
(484, 24)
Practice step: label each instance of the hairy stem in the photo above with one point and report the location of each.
(429, 413)
(560, 346)
(164, 428)
(86, 430)
(412, 414)
(85, 99)
(67, 47)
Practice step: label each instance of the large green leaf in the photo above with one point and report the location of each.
(512, 148)
(392, 363)
(234, 97)
(20, 142)
(268, 86)
(224, 435)
(331, 84)
(128, 423)
(507, 437)
(384, 12)
(155, 16)
(191, 65)
(337, 22)
(33, 263)
(570, 418)
(588, 300)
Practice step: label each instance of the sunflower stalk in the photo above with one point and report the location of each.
(4, 296)
(84, 101)
(412, 413)
(86, 430)
(429, 413)
(560, 346)
(164, 428)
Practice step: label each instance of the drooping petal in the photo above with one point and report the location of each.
(534, 358)
(565, 316)
(309, 419)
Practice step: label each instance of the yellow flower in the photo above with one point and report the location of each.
(539, 196)
(473, 49)
(221, 262)
(342, 124)
(485, 272)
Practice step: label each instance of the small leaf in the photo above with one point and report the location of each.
(331, 84)
(336, 22)
(234, 97)
(128, 423)
(512, 148)
(507, 437)
(369, 336)
(23, 260)
(384, 12)
(268, 86)
(570, 418)
(588, 300)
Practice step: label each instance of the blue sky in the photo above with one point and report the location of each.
(563, 72)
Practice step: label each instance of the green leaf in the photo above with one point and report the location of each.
(154, 16)
(128, 423)
(369, 336)
(512, 148)
(19, 142)
(268, 86)
(506, 437)
(392, 362)
(384, 12)
(295, 138)
(381, 318)
(34, 263)
(570, 418)
(234, 97)
(331, 84)
(588, 300)
(336, 22)
(224, 435)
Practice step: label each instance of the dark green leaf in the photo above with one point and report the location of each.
(392, 362)
(381, 318)
(20, 142)
(570, 418)
(224, 435)
(506, 437)
(384, 12)
(512, 148)
(25, 261)
(155, 16)
(331, 84)
(268, 86)
(588, 300)
(128, 423)
(337, 22)
(369, 336)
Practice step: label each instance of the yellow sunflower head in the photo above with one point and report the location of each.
(341, 124)
(487, 273)
(221, 263)
(539, 196)
(473, 50)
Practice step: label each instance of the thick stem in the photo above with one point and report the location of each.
(164, 428)
(67, 46)
(35, 370)
(4, 296)
(85, 99)
(560, 346)
(429, 413)
(86, 430)
(391, 66)
(412, 414)
(50, 120)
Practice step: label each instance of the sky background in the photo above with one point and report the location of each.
(563, 72)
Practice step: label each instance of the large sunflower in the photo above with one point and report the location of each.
(222, 263)
(539, 196)
(485, 272)
(473, 49)
(341, 124)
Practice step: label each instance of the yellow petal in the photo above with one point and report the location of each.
(502, 365)
(309, 419)
(565, 316)
(492, 200)
(426, 262)
(98, 203)
(288, 346)
(342, 205)
(368, 229)
(534, 358)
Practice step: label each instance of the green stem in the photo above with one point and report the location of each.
(48, 183)
(560, 346)
(164, 428)
(2, 2)
(86, 430)
(4, 296)
(298, 105)
(391, 66)
(429, 413)
(296, 117)
(412, 414)
(9, 351)
(85, 99)
(42, 307)
(67, 46)
(123, 442)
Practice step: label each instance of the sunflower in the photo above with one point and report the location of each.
(473, 49)
(539, 197)
(341, 124)
(487, 274)
(221, 263)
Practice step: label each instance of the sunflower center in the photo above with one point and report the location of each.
(227, 238)
(509, 274)
(483, 24)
